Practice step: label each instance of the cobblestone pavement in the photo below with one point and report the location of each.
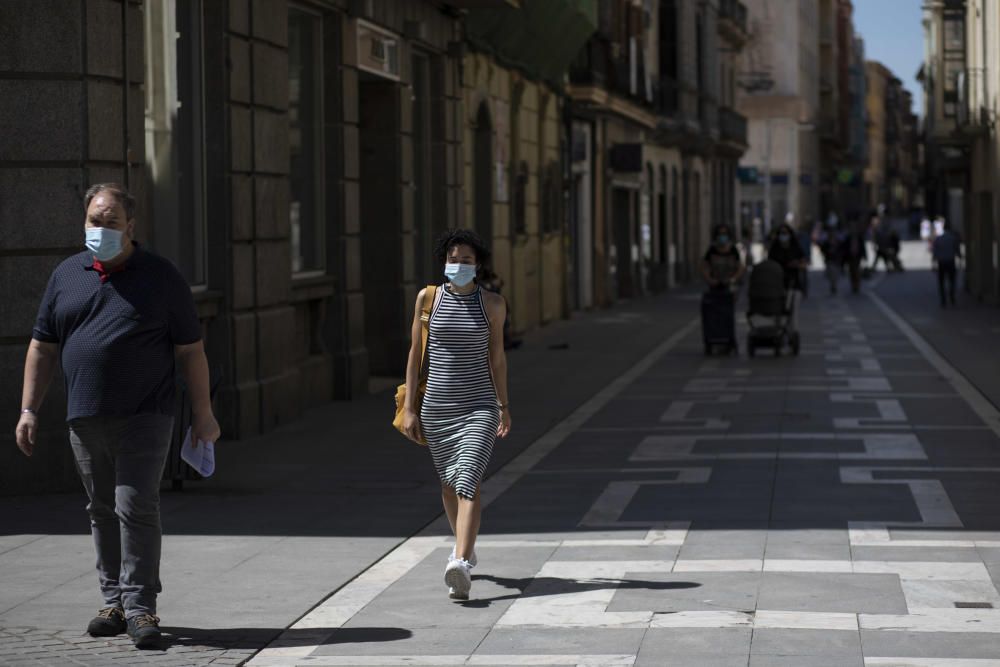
(841, 508)
(34, 648)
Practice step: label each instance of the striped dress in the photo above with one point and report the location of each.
(460, 412)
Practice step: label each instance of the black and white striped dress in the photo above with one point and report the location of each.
(460, 412)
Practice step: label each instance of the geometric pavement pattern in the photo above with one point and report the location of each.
(838, 508)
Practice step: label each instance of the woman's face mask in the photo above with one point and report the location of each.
(784, 238)
(722, 239)
(460, 275)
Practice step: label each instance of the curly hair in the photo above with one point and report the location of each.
(455, 237)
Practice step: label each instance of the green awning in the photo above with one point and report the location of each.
(542, 38)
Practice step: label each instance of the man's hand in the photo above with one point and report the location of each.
(204, 428)
(26, 432)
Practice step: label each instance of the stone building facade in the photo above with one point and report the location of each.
(279, 150)
(652, 164)
(780, 95)
(296, 159)
(961, 140)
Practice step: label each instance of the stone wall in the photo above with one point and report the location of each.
(68, 122)
(526, 123)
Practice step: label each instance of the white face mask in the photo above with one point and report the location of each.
(104, 243)
(460, 275)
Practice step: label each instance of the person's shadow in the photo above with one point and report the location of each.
(258, 638)
(539, 586)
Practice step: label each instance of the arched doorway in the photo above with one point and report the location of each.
(482, 165)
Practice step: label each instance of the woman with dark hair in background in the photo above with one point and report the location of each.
(786, 251)
(465, 407)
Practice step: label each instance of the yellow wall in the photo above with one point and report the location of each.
(525, 117)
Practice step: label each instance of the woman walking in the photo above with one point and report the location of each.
(465, 407)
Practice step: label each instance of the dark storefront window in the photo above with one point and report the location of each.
(175, 160)
(305, 139)
(521, 199)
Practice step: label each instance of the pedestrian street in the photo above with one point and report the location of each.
(839, 508)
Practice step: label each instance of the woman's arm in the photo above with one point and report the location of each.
(411, 420)
(706, 272)
(496, 308)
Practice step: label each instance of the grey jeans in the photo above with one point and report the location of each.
(120, 460)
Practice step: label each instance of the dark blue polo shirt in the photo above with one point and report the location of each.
(117, 337)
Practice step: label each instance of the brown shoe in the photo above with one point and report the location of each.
(109, 622)
(144, 630)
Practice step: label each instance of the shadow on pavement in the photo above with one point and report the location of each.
(531, 587)
(256, 638)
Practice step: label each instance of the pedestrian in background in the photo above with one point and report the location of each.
(883, 250)
(465, 407)
(830, 240)
(786, 251)
(118, 319)
(947, 250)
(722, 266)
(804, 239)
(854, 253)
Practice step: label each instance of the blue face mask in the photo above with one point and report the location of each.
(460, 275)
(104, 243)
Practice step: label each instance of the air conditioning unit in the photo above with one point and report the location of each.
(378, 50)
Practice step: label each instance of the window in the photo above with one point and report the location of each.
(521, 199)
(953, 70)
(174, 125)
(551, 195)
(305, 140)
(954, 32)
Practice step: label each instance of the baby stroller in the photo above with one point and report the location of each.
(769, 298)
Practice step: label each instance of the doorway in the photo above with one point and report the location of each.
(623, 219)
(483, 175)
(386, 333)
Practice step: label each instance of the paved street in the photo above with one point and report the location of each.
(656, 508)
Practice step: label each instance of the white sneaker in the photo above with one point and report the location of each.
(472, 561)
(458, 578)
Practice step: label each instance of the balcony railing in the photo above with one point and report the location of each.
(599, 65)
(732, 126)
(666, 97)
(591, 64)
(708, 113)
(735, 11)
(972, 111)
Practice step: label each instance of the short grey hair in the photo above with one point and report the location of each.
(119, 192)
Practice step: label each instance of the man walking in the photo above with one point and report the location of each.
(947, 250)
(116, 317)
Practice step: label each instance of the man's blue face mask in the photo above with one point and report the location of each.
(105, 243)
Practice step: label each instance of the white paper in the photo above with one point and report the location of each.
(201, 458)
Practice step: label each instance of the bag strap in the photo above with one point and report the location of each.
(425, 322)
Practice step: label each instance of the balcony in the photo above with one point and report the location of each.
(972, 111)
(599, 64)
(591, 65)
(666, 97)
(708, 115)
(733, 127)
(520, 34)
(733, 21)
